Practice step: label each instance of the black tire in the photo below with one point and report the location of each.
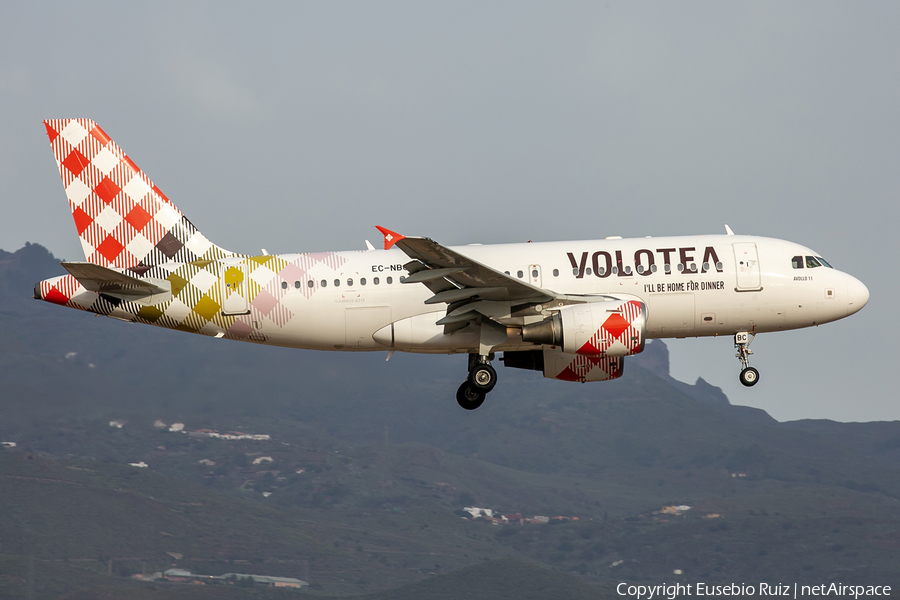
(468, 397)
(483, 377)
(749, 376)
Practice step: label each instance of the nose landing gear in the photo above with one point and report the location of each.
(481, 380)
(742, 340)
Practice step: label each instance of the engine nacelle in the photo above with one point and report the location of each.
(556, 364)
(596, 329)
(578, 367)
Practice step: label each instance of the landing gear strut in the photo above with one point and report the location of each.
(742, 340)
(481, 380)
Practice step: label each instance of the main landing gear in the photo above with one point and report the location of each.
(742, 340)
(481, 380)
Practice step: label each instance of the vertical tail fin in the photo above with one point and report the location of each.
(123, 219)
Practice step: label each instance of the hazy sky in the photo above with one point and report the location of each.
(299, 126)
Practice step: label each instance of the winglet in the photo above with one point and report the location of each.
(728, 230)
(390, 237)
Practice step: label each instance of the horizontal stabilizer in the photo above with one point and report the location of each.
(119, 285)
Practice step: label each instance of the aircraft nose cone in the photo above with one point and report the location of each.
(857, 295)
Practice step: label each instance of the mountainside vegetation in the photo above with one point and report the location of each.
(361, 470)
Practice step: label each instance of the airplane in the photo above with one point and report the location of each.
(570, 309)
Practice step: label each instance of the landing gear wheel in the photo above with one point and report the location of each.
(468, 397)
(483, 377)
(749, 376)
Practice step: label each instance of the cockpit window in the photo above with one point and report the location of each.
(812, 263)
(824, 262)
(797, 262)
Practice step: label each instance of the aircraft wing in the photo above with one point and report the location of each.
(454, 277)
(118, 285)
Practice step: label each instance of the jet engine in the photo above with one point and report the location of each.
(595, 329)
(556, 364)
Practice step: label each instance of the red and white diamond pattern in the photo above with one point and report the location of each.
(119, 213)
(592, 368)
(621, 334)
(582, 368)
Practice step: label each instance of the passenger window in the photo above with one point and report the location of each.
(520, 274)
(309, 283)
(812, 263)
(296, 285)
(627, 270)
(362, 281)
(284, 285)
(337, 283)
(534, 273)
(601, 271)
(640, 269)
(556, 272)
(719, 266)
(615, 270)
(376, 281)
(506, 272)
(706, 266)
(574, 271)
(390, 280)
(653, 268)
(797, 262)
(588, 271)
(349, 283)
(324, 283)
(680, 267)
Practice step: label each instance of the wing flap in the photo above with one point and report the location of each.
(457, 294)
(471, 274)
(432, 274)
(467, 287)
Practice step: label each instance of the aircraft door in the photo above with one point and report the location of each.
(746, 263)
(534, 275)
(235, 287)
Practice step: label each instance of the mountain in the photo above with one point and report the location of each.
(369, 464)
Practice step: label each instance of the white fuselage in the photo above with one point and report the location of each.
(714, 285)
